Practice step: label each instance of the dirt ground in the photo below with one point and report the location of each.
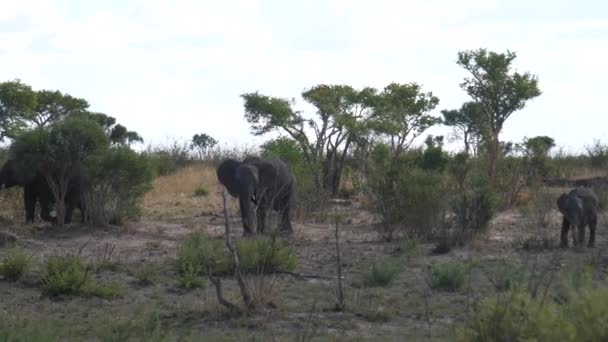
(408, 309)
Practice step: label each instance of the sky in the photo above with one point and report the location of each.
(171, 69)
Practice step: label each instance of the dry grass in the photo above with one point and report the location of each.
(173, 195)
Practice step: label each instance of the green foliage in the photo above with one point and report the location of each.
(201, 191)
(165, 160)
(28, 330)
(470, 121)
(198, 255)
(138, 327)
(516, 316)
(265, 255)
(15, 264)
(401, 114)
(406, 197)
(499, 91)
(118, 180)
(505, 275)
(146, 273)
(598, 154)
(202, 143)
(64, 275)
(448, 276)
(17, 103)
(68, 275)
(473, 200)
(382, 273)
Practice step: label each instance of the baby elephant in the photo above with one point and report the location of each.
(579, 208)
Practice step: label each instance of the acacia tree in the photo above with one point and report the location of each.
(59, 153)
(202, 143)
(341, 116)
(54, 105)
(498, 90)
(17, 105)
(469, 121)
(401, 113)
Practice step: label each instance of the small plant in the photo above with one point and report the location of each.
(190, 277)
(201, 191)
(109, 290)
(146, 274)
(68, 275)
(265, 255)
(448, 276)
(381, 273)
(505, 276)
(64, 275)
(15, 264)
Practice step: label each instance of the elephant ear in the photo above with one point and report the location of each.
(226, 174)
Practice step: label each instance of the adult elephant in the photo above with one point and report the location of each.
(579, 208)
(36, 189)
(260, 185)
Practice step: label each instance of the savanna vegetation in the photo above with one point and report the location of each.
(396, 238)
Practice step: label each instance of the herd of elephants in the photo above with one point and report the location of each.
(264, 184)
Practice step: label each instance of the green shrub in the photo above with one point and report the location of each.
(105, 290)
(408, 199)
(68, 275)
(448, 276)
(505, 276)
(15, 264)
(119, 178)
(167, 159)
(381, 273)
(64, 275)
(201, 191)
(146, 274)
(598, 154)
(265, 255)
(198, 254)
(516, 316)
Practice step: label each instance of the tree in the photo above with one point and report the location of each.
(498, 90)
(469, 120)
(59, 153)
(202, 143)
(401, 113)
(536, 155)
(117, 133)
(52, 106)
(17, 106)
(341, 115)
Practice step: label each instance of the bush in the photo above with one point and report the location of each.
(167, 159)
(64, 275)
(146, 274)
(68, 275)
(598, 154)
(15, 264)
(408, 199)
(516, 317)
(201, 191)
(118, 181)
(381, 273)
(448, 276)
(259, 255)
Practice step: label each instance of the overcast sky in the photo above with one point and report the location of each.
(170, 69)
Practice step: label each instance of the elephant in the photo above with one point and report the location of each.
(260, 185)
(579, 208)
(36, 189)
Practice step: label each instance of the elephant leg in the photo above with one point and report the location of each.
(45, 211)
(564, 236)
(262, 214)
(285, 220)
(592, 225)
(29, 202)
(581, 234)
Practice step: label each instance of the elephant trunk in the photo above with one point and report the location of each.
(248, 214)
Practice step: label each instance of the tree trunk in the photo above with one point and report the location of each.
(493, 158)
